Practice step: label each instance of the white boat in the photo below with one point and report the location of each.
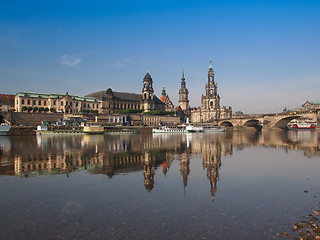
(191, 128)
(44, 129)
(301, 124)
(5, 128)
(214, 129)
(165, 129)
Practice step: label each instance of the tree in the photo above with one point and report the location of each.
(35, 109)
(46, 109)
(30, 109)
(41, 109)
(52, 110)
(24, 108)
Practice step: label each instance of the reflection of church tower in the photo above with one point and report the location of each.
(147, 94)
(184, 168)
(212, 161)
(211, 101)
(183, 96)
(213, 174)
(148, 173)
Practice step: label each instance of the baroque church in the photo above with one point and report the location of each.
(210, 103)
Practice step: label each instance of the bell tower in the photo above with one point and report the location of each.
(211, 101)
(183, 95)
(147, 94)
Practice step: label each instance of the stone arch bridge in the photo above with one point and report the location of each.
(279, 120)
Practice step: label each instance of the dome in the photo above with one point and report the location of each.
(147, 77)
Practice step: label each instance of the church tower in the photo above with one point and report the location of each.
(147, 94)
(211, 101)
(183, 95)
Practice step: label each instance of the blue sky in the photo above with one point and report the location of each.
(265, 53)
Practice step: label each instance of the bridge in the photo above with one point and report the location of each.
(277, 120)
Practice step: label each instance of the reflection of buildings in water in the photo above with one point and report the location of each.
(148, 171)
(212, 147)
(308, 140)
(166, 164)
(303, 136)
(184, 167)
(114, 154)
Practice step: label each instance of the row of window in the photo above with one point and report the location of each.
(34, 102)
(124, 106)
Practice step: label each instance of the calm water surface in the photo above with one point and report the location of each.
(168, 186)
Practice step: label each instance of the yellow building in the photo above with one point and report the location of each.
(27, 101)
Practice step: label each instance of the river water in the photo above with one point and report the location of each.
(233, 185)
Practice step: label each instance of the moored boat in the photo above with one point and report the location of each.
(44, 129)
(214, 129)
(165, 129)
(5, 128)
(301, 124)
(191, 128)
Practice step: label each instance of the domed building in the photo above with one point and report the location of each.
(146, 101)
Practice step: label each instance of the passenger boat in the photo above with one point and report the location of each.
(165, 129)
(214, 129)
(301, 124)
(5, 128)
(191, 128)
(44, 129)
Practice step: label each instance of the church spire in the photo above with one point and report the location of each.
(182, 73)
(210, 66)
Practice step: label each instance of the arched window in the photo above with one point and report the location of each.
(211, 104)
(145, 96)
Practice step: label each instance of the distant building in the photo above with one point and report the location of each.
(311, 105)
(6, 102)
(210, 103)
(64, 103)
(166, 100)
(146, 101)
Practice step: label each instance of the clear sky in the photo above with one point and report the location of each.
(265, 54)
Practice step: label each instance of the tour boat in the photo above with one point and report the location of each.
(302, 124)
(191, 128)
(165, 129)
(5, 127)
(214, 129)
(44, 129)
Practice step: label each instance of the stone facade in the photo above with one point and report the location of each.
(146, 101)
(311, 105)
(210, 103)
(6, 102)
(34, 102)
(166, 100)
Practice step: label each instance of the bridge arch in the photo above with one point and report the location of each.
(282, 123)
(226, 124)
(251, 123)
